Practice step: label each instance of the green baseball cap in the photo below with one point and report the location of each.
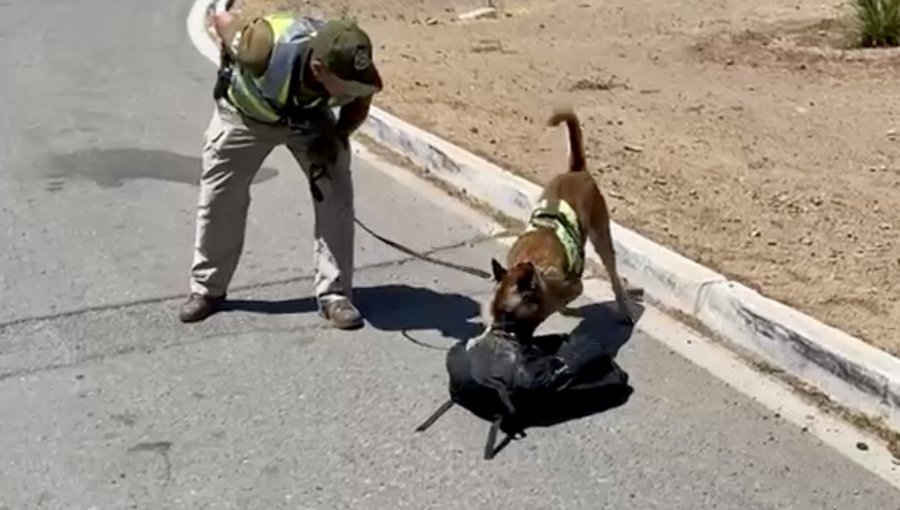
(346, 51)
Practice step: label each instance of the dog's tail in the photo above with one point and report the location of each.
(576, 139)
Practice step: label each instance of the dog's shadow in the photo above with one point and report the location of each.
(599, 321)
(590, 352)
(396, 307)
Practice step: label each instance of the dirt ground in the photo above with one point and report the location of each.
(732, 131)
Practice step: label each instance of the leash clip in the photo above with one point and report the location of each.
(316, 172)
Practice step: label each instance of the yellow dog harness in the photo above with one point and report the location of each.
(564, 222)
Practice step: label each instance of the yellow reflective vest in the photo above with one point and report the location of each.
(265, 98)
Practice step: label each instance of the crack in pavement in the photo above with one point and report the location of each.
(294, 279)
(47, 358)
(151, 347)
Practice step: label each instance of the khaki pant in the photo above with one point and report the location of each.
(233, 151)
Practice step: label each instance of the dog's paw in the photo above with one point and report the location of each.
(635, 293)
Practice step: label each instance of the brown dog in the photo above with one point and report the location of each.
(546, 263)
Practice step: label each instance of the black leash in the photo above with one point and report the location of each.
(420, 343)
(421, 256)
(319, 171)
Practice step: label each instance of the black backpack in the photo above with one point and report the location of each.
(514, 386)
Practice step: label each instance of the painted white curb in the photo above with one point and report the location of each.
(853, 373)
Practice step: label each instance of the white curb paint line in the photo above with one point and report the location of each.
(196, 23)
(724, 364)
(857, 375)
(431, 194)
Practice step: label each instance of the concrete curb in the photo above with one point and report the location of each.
(853, 373)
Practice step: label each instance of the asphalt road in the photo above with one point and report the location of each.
(108, 402)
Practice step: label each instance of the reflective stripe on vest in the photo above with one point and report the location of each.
(263, 98)
(564, 223)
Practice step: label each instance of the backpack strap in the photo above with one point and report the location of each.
(435, 416)
(491, 447)
(489, 450)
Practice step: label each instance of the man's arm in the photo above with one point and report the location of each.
(352, 115)
(221, 23)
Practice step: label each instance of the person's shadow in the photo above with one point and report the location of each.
(396, 307)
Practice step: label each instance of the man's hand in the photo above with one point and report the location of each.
(353, 114)
(325, 148)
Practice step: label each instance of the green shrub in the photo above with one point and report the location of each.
(877, 22)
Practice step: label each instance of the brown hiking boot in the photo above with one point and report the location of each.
(341, 313)
(198, 307)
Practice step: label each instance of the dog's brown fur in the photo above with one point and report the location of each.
(535, 285)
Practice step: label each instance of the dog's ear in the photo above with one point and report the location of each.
(497, 269)
(530, 279)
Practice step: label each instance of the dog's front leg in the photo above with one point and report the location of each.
(602, 242)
